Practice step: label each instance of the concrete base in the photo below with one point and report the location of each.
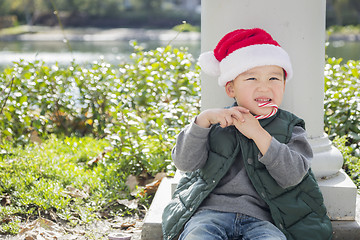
(339, 193)
(151, 230)
(347, 230)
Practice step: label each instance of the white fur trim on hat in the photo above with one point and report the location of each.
(244, 59)
(209, 64)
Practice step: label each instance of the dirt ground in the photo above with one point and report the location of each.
(43, 229)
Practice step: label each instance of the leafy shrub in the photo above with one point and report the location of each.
(342, 101)
(160, 94)
(351, 163)
(140, 106)
(342, 111)
(137, 108)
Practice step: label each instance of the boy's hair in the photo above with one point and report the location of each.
(241, 50)
(284, 74)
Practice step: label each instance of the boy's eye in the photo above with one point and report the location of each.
(251, 78)
(274, 78)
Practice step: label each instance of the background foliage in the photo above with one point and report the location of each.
(342, 111)
(90, 127)
(100, 13)
(136, 13)
(342, 101)
(55, 119)
(152, 91)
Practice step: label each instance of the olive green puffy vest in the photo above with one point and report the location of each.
(298, 211)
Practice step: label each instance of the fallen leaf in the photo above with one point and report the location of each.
(41, 229)
(132, 182)
(127, 225)
(132, 204)
(160, 176)
(76, 193)
(151, 188)
(5, 200)
(145, 178)
(99, 157)
(34, 137)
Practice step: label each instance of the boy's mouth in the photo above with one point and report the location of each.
(263, 100)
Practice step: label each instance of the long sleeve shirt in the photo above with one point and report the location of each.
(286, 163)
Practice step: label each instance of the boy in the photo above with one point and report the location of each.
(247, 167)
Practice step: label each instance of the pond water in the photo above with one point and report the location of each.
(114, 52)
(82, 52)
(345, 50)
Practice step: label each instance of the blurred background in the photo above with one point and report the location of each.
(88, 29)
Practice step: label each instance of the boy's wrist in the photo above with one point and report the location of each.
(201, 121)
(263, 140)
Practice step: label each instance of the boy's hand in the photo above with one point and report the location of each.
(252, 129)
(225, 117)
(249, 127)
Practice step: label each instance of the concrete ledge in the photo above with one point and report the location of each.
(339, 193)
(346, 230)
(151, 230)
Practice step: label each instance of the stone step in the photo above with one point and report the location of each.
(151, 229)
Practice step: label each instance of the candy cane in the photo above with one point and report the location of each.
(272, 113)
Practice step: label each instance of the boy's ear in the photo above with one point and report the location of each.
(229, 88)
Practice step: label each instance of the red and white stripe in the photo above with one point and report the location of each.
(272, 113)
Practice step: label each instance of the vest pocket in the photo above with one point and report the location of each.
(291, 207)
(310, 227)
(318, 209)
(195, 191)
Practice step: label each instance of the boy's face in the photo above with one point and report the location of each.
(258, 85)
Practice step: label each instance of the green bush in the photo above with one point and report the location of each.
(342, 101)
(159, 87)
(124, 116)
(139, 106)
(342, 112)
(134, 110)
(351, 163)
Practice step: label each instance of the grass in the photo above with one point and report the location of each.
(43, 180)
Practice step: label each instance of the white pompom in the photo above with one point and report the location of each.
(209, 64)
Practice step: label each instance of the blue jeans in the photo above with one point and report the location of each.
(208, 224)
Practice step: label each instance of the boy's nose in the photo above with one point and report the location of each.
(263, 86)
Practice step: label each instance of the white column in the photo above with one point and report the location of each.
(299, 27)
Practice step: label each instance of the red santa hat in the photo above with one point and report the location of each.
(241, 50)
